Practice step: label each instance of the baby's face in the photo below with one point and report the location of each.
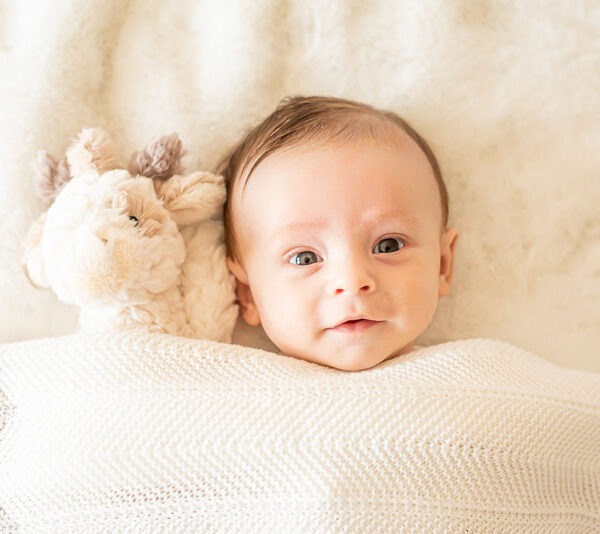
(342, 253)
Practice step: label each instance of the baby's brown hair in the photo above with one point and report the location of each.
(301, 119)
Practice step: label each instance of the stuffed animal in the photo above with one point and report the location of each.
(136, 247)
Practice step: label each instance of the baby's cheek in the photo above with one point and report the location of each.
(286, 317)
(423, 300)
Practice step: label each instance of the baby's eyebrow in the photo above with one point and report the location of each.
(296, 228)
(374, 216)
(371, 217)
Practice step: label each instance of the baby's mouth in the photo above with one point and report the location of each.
(355, 326)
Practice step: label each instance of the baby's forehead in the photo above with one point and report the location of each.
(389, 136)
(313, 179)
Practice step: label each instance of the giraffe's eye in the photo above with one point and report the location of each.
(134, 220)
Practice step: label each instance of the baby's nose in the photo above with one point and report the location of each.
(353, 279)
(363, 289)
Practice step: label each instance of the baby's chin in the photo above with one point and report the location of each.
(352, 361)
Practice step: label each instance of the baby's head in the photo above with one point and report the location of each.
(336, 229)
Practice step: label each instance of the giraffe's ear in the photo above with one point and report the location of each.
(93, 150)
(160, 160)
(193, 197)
(50, 176)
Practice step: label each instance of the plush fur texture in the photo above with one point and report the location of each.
(159, 160)
(506, 92)
(50, 177)
(111, 246)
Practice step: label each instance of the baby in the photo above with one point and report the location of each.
(337, 231)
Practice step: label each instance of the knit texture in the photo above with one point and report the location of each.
(155, 433)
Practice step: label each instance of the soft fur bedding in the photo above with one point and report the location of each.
(506, 92)
(139, 432)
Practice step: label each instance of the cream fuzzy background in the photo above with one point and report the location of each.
(507, 92)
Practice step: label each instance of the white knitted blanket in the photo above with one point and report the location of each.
(153, 433)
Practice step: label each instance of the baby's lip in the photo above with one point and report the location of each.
(355, 324)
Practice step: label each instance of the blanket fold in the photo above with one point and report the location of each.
(154, 432)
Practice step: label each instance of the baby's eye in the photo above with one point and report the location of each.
(305, 258)
(388, 245)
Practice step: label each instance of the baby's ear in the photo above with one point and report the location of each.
(248, 309)
(447, 244)
(93, 150)
(193, 197)
(32, 259)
